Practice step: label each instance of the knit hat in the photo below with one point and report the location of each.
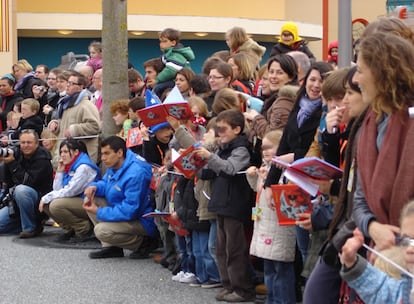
(9, 76)
(292, 28)
(155, 128)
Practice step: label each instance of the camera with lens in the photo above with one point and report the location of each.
(4, 152)
(7, 200)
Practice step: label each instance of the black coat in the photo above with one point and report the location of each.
(7, 103)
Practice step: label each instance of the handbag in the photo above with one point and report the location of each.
(348, 295)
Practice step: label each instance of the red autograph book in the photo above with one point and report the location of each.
(290, 200)
(134, 137)
(188, 162)
(302, 171)
(174, 105)
(175, 224)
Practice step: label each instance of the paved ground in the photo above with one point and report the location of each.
(32, 272)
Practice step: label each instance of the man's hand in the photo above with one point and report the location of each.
(382, 234)
(9, 158)
(41, 204)
(89, 206)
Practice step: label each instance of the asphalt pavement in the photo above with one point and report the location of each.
(39, 271)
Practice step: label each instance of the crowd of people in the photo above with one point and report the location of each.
(55, 165)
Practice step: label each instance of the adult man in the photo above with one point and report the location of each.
(87, 72)
(122, 197)
(77, 115)
(42, 71)
(135, 83)
(152, 68)
(28, 169)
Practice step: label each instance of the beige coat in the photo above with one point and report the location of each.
(270, 241)
(82, 120)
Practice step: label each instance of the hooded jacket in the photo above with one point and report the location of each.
(175, 59)
(127, 192)
(297, 43)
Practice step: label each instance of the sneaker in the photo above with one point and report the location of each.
(188, 278)
(197, 283)
(220, 295)
(178, 276)
(107, 252)
(211, 284)
(234, 297)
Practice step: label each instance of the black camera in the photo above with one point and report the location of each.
(7, 200)
(4, 152)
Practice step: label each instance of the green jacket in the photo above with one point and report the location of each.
(174, 59)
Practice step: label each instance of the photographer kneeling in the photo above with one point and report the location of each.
(29, 170)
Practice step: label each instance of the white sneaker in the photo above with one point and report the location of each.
(178, 276)
(188, 278)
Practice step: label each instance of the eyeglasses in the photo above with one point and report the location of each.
(215, 77)
(404, 240)
(50, 78)
(70, 83)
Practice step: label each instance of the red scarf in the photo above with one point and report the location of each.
(67, 167)
(387, 176)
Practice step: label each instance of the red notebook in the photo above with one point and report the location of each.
(134, 137)
(302, 171)
(175, 224)
(157, 114)
(188, 162)
(290, 200)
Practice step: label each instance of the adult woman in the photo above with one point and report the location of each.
(64, 204)
(282, 70)
(325, 275)
(52, 94)
(8, 97)
(23, 72)
(219, 78)
(299, 131)
(182, 81)
(385, 143)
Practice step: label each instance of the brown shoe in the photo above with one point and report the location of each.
(30, 234)
(220, 295)
(234, 297)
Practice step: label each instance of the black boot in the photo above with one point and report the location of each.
(107, 252)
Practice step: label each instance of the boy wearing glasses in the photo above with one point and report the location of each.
(230, 199)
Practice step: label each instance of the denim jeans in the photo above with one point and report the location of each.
(27, 200)
(205, 266)
(184, 247)
(302, 240)
(279, 278)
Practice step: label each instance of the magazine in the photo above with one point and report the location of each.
(188, 162)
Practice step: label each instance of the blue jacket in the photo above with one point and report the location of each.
(127, 192)
(374, 286)
(83, 159)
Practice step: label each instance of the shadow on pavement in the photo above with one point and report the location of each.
(48, 239)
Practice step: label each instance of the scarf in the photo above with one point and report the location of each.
(307, 108)
(387, 175)
(68, 166)
(66, 102)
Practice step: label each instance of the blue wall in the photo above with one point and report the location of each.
(49, 50)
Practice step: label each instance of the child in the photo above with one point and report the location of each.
(333, 53)
(291, 41)
(95, 53)
(372, 285)
(30, 119)
(230, 199)
(175, 57)
(272, 242)
(135, 104)
(119, 111)
(49, 141)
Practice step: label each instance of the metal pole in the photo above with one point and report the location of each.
(344, 33)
